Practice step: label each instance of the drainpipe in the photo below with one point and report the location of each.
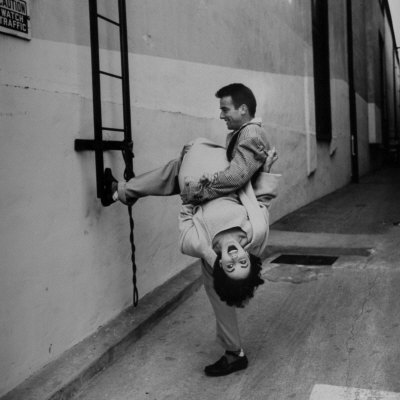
(352, 96)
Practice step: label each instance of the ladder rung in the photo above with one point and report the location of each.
(110, 74)
(104, 128)
(107, 19)
(85, 144)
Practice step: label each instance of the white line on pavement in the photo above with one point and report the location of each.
(329, 392)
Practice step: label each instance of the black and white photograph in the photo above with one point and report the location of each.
(200, 200)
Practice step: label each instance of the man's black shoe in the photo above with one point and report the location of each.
(224, 367)
(108, 180)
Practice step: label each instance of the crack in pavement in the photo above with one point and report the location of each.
(352, 337)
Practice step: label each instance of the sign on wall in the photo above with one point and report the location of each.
(15, 18)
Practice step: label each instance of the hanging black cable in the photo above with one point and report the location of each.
(129, 174)
(133, 249)
(127, 152)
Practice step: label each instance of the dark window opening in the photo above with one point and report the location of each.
(322, 89)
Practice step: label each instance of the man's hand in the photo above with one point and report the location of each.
(191, 191)
(272, 156)
(207, 179)
(193, 188)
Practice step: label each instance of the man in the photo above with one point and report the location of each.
(246, 144)
(247, 152)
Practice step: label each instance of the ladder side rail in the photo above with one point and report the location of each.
(123, 32)
(96, 89)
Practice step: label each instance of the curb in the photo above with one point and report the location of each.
(62, 378)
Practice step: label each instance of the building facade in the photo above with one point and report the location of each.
(326, 77)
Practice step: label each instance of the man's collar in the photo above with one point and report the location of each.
(255, 121)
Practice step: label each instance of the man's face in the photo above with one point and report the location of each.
(233, 117)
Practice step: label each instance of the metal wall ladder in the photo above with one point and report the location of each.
(98, 145)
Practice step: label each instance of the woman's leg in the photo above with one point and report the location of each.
(162, 181)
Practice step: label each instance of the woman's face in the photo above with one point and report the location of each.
(235, 261)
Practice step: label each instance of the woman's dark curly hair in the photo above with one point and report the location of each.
(237, 292)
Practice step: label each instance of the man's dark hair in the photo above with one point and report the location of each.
(237, 292)
(240, 94)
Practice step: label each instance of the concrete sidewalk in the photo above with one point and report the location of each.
(334, 325)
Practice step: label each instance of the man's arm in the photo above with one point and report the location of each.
(250, 155)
